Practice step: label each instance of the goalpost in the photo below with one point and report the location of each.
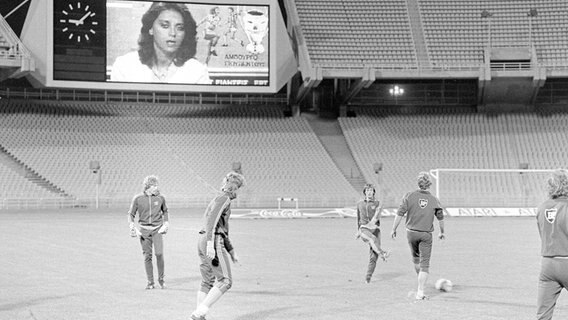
(484, 188)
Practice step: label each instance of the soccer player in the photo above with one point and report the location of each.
(552, 221)
(212, 21)
(368, 222)
(232, 22)
(153, 222)
(212, 247)
(420, 208)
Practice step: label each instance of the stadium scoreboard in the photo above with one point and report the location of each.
(85, 37)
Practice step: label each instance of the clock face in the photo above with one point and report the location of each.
(77, 21)
(79, 40)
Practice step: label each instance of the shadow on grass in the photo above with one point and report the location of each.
(262, 314)
(382, 276)
(29, 303)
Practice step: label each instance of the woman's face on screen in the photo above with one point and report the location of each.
(168, 31)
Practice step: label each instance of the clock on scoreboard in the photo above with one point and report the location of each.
(79, 48)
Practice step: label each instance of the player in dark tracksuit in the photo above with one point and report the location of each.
(420, 208)
(368, 222)
(153, 222)
(552, 221)
(214, 247)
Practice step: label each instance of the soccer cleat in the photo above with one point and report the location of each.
(367, 279)
(195, 317)
(421, 297)
(149, 286)
(385, 255)
(162, 284)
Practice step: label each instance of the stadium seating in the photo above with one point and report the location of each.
(456, 33)
(354, 34)
(357, 33)
(281, 157)
(408, 144)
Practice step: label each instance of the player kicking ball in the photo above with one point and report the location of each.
(368, 222)
(213, 248)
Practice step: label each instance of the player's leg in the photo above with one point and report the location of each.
(413, 242)
(146, 243)
(373, 256)
(371, 239)
(550, 286)
(383, 253)
(425, 248)
(206, 270)
(222, 273)
(159, 252)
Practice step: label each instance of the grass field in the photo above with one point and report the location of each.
(83, 265)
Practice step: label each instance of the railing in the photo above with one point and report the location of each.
(466, 66)
(142, 96)
(510, 66)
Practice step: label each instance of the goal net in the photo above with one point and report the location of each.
(484, 188)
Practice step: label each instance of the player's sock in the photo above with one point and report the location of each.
(201, 310)
(200, 297)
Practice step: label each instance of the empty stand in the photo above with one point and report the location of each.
(456, 32)
(408, 144)
(189, 148)
(357, 33)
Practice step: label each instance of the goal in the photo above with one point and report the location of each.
(484, 188)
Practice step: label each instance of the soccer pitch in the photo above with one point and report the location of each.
(82, 264)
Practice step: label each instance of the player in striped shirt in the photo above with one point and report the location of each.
(420, 208)
(552, 221)
(212, 247)
(368, 222)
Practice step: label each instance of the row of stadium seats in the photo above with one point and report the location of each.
(281, 157)
(357, 32)
(409, 144)
(453, 31)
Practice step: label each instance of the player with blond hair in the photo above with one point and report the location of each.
(153, 222)
(552, 222)
(213, 248)
(368, 222)
(420, 208)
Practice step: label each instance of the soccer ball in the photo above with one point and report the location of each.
(444, 285)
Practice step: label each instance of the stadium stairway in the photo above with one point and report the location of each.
(417, 34)
(17, 166)
(331, 137)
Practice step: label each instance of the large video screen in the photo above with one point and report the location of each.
(130, 44)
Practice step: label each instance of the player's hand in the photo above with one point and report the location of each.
(134, 232)
(235, 258)
(393, 234)
(164, 228)
(441, 236)
(210, 250)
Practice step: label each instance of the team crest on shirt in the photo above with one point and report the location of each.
(550, 215)
(423, 203)
(155, 203)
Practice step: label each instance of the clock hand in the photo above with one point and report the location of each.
(84, 17)
(76, 22)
